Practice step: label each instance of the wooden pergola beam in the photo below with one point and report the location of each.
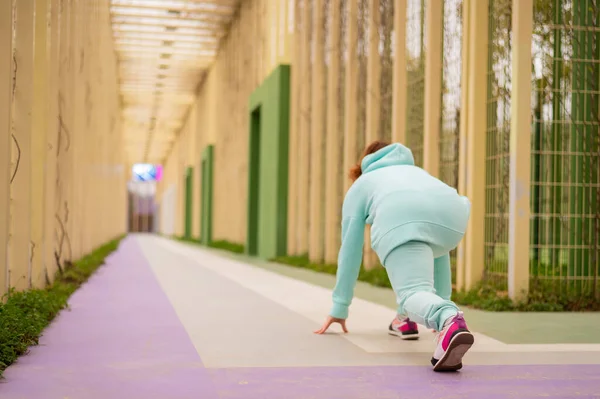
(195, 34)
(148, 44)
(184, 12)
(164, 21)
(166, 36)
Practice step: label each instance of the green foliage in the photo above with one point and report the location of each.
(376, 276)
(489, 295)
(24, 315)
(227, 246)
(222, 244)
(185, 239)
(543, 297)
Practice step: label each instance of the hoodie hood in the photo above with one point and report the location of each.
(391, 155)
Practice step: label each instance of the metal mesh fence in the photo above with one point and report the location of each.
(451, 97)
(565, 185)
(415, 77)
(497, 140)
(386, 9)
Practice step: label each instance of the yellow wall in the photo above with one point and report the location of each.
(68, 193)
(219, 116)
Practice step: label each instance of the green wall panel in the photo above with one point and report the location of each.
(206, 194)
(188, 202)
(268, 166)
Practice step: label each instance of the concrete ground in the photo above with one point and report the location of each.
(167, 320)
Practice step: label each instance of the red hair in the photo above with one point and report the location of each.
(375, 146)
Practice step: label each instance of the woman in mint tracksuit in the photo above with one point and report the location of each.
(415, 221)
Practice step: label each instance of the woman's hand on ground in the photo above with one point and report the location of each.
(329, 321)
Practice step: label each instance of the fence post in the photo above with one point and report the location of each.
(38, 142)
(373, 105)
(295, 116)
(520, 150)
(463, 137)
(315, 247)
(433, 86)
(373, 74)
(304, 135)
(476, 140)
(399, 82)
(351, 93)
(333, 155)
(6, 72)
(22, 128)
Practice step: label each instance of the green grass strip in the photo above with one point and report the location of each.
(221, 244)
(24, 315)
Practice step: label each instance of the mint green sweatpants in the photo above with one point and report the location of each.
(422, 283)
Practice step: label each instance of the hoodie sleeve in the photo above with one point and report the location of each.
(350, 256)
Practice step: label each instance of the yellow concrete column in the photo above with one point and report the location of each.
(520, 151)
(6, 84)
(333, 156)
(351, 94)
(50, 188)
(304, 137)
(63, 251)
(197, 178)
(463, 137)
(179, 179)
(293, 169)
(78, 162)
(476, 133)
(373, 103)
(20, 247)
(433, 86)
(38, 142)
(286, 31)
(399, 79)
(373, 93)
(315, 247)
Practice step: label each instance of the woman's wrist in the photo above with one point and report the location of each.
(339, 311)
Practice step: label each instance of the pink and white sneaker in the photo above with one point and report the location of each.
(404, 328)
(453, 342)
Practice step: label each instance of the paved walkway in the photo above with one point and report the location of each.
(171, 321)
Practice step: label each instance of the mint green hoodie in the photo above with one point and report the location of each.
(402, 203)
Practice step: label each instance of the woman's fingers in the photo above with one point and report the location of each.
(343, 324)
(329, 322)
(324, 327)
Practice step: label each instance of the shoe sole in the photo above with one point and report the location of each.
(406, 337)
(452, 359)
